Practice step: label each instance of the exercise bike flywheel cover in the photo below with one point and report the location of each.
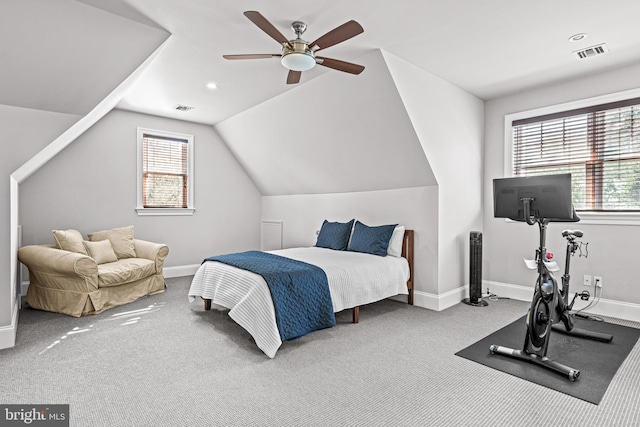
(538, 320)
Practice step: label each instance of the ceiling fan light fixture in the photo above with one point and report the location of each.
(299, 55)
(297, 61)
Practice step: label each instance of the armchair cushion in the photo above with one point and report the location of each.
(124, 271)
(121, 239)
(101, 251)
(70, 240)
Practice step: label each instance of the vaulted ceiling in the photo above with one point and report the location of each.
(488, 48)
(66, 55)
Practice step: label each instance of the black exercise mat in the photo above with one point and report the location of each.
(597, 362)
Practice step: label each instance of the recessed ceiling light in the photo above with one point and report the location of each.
(211, 85)
(577, 37)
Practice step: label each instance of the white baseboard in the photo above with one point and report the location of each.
(611, 308)
(439, 302)
(604, 307)
(8, 333)
(180, 270)
(507, 290)
(23, 287)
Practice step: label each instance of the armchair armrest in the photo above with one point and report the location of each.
(156, 252)
(53, 260)
(50, 266)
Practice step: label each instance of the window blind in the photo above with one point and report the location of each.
(599, 146)
(164, 172)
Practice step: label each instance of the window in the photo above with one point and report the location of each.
(165, 173)
(599, 145)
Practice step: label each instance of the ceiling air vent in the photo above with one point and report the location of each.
(592, 51)
(180, 107)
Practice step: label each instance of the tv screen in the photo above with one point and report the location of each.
(550, 197)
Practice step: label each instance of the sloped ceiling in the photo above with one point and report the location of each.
(65, 56)
(333, 132)
(331, 135)
(488, 48)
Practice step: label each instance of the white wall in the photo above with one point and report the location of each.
(415, 208)
(449, 124)
(24, 133)
(335, 133)
(91, 185)
(613, 252)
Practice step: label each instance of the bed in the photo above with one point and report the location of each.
(354, 279)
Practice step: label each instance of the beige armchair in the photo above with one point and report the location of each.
(79, 284)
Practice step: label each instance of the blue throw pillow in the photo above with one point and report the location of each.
(334, 235)
(371, 240)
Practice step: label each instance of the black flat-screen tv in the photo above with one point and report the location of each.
(549, 197)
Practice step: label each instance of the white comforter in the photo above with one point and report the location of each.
(354, 279)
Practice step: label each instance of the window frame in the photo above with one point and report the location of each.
(604, 218)
(140, 209)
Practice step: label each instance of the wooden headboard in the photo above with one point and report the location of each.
(407, 252)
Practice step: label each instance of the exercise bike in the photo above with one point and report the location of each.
(549, 305)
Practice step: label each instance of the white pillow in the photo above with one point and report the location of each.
(121, 240)
(395, 243)
(101, 251)
(70, 240)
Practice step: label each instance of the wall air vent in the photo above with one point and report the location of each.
(180, 107)
(592, 51)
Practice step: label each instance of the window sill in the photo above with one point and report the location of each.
(610, 218)
(165, 211)
(603, 218)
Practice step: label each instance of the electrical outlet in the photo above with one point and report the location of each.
(598, 281)
(586, 280)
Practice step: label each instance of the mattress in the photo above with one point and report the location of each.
(354, 279)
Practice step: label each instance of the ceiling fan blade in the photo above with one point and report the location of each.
(337, 35)
(336, 64)
(293, 77)
(253, 56)
(267, 27)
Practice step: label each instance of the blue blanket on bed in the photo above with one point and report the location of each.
(300, 291)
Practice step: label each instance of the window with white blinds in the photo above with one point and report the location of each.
(165, 184)
(598, 145)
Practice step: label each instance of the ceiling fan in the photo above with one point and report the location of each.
(299, 55)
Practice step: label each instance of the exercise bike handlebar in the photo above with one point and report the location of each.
(532, 217)
(526, 203)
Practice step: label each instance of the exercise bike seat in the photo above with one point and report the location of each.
(572, 233)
